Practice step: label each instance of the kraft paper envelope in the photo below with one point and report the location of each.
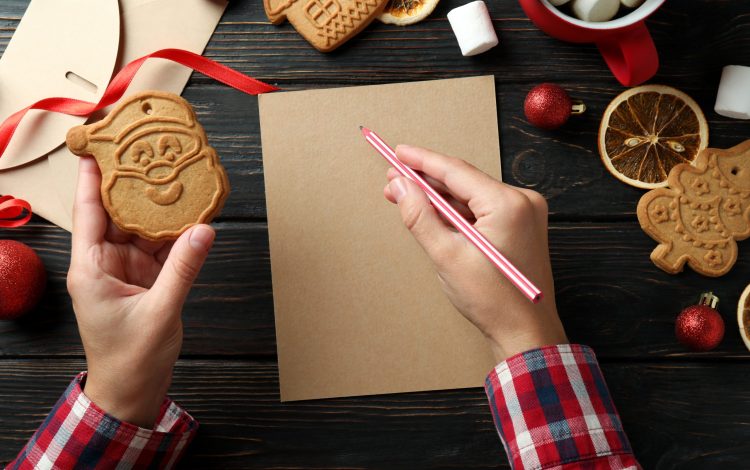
(358, 306)
(70, 48)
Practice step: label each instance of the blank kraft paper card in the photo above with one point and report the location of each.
(358, 306)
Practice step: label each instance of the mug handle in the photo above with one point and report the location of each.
(631, 55)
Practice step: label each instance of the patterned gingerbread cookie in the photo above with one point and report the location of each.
(159, 175)
(700, 217)
(326, 24)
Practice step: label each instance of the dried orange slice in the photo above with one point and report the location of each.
(405, 12)
(649, 129)
(743, 316)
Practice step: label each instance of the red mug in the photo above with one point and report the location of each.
(625, 42)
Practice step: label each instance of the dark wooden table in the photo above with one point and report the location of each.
(680, 409)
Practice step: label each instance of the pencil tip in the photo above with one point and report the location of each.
(361, 127)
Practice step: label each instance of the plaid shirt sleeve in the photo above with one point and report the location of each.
(552, 410)
(79, 434)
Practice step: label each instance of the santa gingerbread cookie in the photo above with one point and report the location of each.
(159, 175)
(705, 210)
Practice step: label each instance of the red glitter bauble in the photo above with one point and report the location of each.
(699, 327)
(22, 279)
(547, 106)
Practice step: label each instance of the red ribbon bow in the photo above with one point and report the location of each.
(122, 80)
(11, 208)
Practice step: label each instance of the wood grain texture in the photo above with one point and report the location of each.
(563, 165)
(678, 415)
(681, 410)
(610, 295)
(696, 38)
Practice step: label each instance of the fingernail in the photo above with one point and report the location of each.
(403, 147)
(201, 238)
(398, 189)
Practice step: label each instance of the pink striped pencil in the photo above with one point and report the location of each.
(511, 272)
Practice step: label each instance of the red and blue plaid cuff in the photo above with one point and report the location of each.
(552, 409)
(79, 434)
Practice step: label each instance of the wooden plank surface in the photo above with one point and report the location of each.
(681, 410)
(606, 293)
(687, 415)
(696, 38)
(563, 165)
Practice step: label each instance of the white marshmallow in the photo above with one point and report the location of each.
(473, 28)
(733, 98)
(631, 3)
(557, 3)
(595, 10)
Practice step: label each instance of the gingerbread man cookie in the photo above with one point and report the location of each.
(326, 24)
(705, 210)
(159, 175)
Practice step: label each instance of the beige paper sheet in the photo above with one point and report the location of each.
(358, 307)
(82, 36)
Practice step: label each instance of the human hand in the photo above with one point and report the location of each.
(128, 295)
(513, 219)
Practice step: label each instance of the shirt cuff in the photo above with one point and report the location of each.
(77, 433)
(551, 407)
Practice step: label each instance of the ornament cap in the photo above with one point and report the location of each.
(709, 299)
(579, 107)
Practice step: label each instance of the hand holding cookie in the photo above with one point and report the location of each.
(128, 295)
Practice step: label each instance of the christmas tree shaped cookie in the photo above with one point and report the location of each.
(700, 217)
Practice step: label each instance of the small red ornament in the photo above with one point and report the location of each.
(548, 106)
(700, 327)
(22, 279)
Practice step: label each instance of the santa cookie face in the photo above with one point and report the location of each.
(159, 175)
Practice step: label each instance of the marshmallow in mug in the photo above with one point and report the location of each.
(473, 28)
(595, 10)
(625, 3)
(733, 98)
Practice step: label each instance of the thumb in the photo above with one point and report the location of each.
(421, 218)
(182, 266)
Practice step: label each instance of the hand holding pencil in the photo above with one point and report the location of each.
(514, 220)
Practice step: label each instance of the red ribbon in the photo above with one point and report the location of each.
(11, 210)
(121, 81)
